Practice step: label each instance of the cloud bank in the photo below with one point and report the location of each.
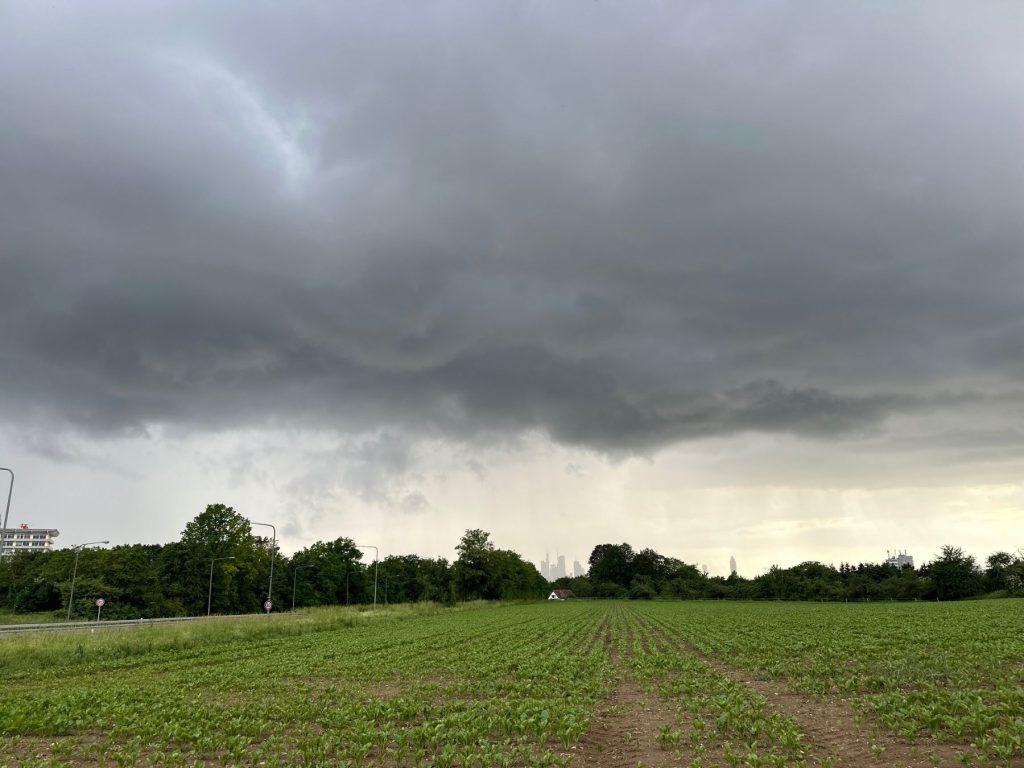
(622, 227)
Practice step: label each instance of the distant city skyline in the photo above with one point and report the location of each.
(897, 558)
(557, 569)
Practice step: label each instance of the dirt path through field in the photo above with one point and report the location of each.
(832, 727)
(624, 734)
(625, 731)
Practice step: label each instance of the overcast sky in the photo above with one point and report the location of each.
(718, 278)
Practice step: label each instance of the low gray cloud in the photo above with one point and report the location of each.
(621, 227)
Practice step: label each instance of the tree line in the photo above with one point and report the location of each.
(219, 562)
(220, 565)
(618, 571)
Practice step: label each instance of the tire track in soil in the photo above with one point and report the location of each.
(832, 725)
(623, 733)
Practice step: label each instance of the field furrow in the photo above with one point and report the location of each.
(605, 684)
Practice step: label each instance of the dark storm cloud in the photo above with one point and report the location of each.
(623, 226)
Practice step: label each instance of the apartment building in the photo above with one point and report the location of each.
(26, 539)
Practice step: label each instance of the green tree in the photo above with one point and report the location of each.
(649, 563)
(411, 578)
(514, 578)
(611, 563)
(998, 566)
(472, 570)
(642, 588)
(219, 529)
(954, 574)
(331, 574)
(239, 584)
(1014, 575)
(483, 572)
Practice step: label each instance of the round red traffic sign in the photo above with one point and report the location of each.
(100, 602)
(267, 606)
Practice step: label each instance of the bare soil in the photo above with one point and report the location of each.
(624, 733)
(835, 732)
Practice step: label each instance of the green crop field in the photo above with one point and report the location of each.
(575, 683)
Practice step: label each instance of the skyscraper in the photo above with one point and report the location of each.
(557, 569)
(732, 564)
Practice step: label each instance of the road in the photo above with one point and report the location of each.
(72, 626)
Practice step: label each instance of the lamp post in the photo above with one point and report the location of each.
(273, 552)
(74, 573)
(209, 591)
(295, 580)
(7, 510)
(376, 557)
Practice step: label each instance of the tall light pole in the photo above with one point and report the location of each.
(273, 551)
(74, 573)
(295, 580)
(376, 557)
(7, 510)
(209, 592)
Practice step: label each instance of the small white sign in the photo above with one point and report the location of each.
(100, 602)
(267, 606)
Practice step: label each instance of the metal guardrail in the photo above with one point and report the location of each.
(73, 626)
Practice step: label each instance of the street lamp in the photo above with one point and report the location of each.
(273, 551)
(7, 510)
(295, 580)
(376, 557)
(74, 573)
(209, 592)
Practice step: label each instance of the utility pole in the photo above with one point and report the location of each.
(74, 573)
(273, 552)
(295, 580)
(209, 591)
(7, 509)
